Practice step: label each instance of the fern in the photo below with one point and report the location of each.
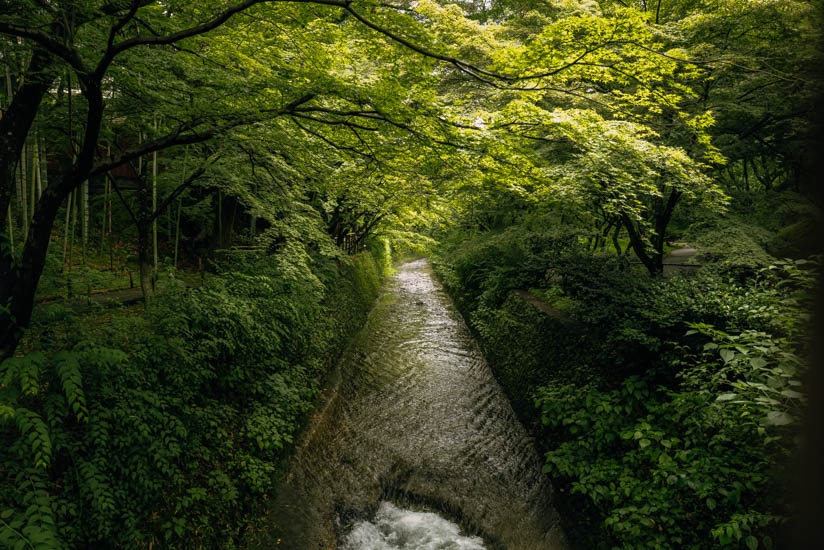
(68, 369)
(24, 371)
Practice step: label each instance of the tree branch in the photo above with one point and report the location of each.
(179, 137)
(47, 42)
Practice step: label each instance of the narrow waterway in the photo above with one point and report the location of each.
(418, 447)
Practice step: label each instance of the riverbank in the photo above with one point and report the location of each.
(635, 388)
(171, 427)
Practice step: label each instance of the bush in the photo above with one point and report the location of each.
(655, 437)
(690, 467)
(172, 428)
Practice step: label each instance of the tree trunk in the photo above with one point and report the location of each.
(615, 242)
(38, 169)
(177, 230)
(18, 284)
(653, 264)
(653, 259)
(17, 120)
(44, 167)
(106, 192)
(73, 228)
(224, 221)
(144, 230)
(180, 202)
(31, 157)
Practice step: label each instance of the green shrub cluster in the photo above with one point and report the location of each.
(171, 428)
(666, 407)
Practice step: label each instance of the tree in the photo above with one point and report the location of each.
(100, 44)
(88, 38)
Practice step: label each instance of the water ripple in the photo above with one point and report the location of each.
(418, 420)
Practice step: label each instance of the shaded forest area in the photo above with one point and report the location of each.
(199, 202)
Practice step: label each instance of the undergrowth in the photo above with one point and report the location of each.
(667, 408)
(171, 428)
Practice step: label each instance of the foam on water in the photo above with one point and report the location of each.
(394, 528)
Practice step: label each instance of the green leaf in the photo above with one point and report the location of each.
(727, 355)
(751, 542)
(779, 418)
(757, 362)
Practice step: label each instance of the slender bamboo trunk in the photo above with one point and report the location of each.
(154, 206)
(103, 217)
(111, 247)
(33, 177)
(44, 167)
(84, 229)
(73, 228)
(24, 203)
(72, 207)
(144, 227)
(66, 228)
(180, 203)
(18, 194)
(39, 166)
(106, 191)
(11, 230)
(177, 229)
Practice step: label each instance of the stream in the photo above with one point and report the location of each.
(417, 447)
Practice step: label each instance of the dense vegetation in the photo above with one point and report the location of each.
(666, 407)
(172, 426)
(252, 165)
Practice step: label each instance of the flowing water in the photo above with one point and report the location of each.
(417, 447)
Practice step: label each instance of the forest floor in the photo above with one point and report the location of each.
(119, 296)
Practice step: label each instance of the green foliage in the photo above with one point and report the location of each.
(532, 127)
(662, 468)
(381, 251)
(689, 463)
(732, 245)
(172, 428)
(657, 437)
(487, 267)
